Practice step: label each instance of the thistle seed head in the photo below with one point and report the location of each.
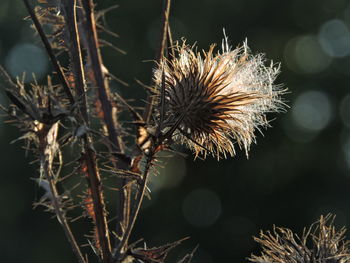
(222, 97)
(320, 243)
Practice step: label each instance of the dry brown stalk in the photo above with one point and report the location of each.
(89, 156)
(160, 53)
(115, 144)
(50, 52)
(47, 135)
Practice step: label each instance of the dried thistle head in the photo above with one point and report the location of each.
(320, 243)
(222, 97)
(35, 109)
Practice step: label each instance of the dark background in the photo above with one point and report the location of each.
(297, 171)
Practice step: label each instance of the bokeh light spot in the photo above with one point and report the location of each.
(312, 111)
(305, 55)
(334, 37)
(201, 208)
(26, 58)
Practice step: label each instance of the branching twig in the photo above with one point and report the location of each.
(160, 53)
(135, 211)
(62, 219)
(50, 52)
(147, 114)
(156, 143)
(76, 57)
(164, 30)
(94, 181)
(47, 138)
(76, 29)
(7, 78)
(109, 114)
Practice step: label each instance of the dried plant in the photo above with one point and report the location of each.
(206, 101)
(321, 242)
(219, 97)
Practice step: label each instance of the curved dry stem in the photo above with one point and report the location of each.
(116, 145)
(50, 52)
(163, 42)
(47, 137)
(89, 156)
(136, 210)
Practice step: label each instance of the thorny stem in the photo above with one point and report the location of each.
(127, 216)
(163, 33)
(156, 142)
(142, 188)
(135, 211)
(160, 53)
(94, 180)
(7, 78)
(161, 105)
(109, 113)
(55, 197)
(141, 192)
(62, 219)
(76, 57)
(170, 40)
(50, 52)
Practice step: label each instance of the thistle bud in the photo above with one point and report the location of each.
(222, 97)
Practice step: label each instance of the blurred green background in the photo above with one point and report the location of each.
(298, 170)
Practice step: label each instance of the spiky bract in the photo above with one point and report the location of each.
(220, 96)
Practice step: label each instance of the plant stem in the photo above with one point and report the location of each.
(164, 30)
(7, 78)
(89, 156)
(109, 114)
(62, 219)
(116, 144)
(147, 116)
(135, 211)
(94, 183)
(50, 52)
(44, 149)
(159, 54)
(76, 57)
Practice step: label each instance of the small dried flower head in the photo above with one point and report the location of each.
(221, 97)
(320, 243)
